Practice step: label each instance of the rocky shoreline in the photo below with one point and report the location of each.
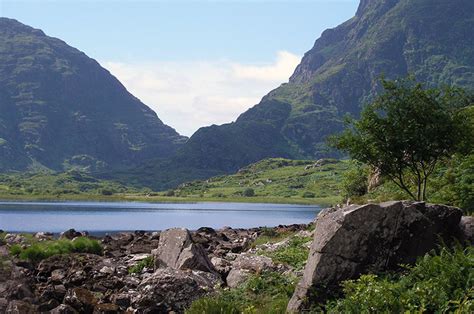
(164, 272)
(185, 265)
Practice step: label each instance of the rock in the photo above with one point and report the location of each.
(466, 227)
(173, 290)
(177, 250)
(63, 309)
(358, 239)
(70, 234)
(80, 299)
(245, 265)
(106, 308)
(20, 307)
(47, 306)
(58, 275)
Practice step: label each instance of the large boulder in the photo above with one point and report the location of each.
(246, 265)
(357, 239)
(177, 250)
(173, 290)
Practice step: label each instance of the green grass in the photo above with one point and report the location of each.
(294, 254)
(278, 179)
(38, 251)
(271, 180)
(263, 293)
(138, 268)
(438, 283)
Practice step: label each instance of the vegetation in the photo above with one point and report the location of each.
(67, 184)
(438, 283)
(294, 254)
(407, 131)
(277, 178)
(148, 262)
(38, 251)
(263, 293)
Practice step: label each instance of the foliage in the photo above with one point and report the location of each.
(406, 131)
(44, 249)
(248, 192)
(263, 293)
(294, 254)
(148, 262)
(275, 178)
(66, 184)
(355, 181)
(438, 283)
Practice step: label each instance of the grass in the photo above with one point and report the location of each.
(38, 251)
(138, 268)
(268, 292)
(295, 254)
(268, 181)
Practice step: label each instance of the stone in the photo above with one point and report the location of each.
(467, 229)
(246, 264)
(106, 308)
(63, 309)
(20, 307)
(70, 234)
(169, 289)
(370, 238)
(80, 299)
(177, 250)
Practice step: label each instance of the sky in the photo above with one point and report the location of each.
(194, 62)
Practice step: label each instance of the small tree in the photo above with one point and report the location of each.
(406, 131)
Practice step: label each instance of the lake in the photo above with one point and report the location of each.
(100, 217)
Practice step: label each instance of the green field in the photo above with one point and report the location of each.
(270, 180)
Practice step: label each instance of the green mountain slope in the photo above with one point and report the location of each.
(60, 109)
(431, 39)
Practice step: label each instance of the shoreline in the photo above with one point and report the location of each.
(323, 202)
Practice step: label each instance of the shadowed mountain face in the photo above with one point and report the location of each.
(60, 109)
(431, 39)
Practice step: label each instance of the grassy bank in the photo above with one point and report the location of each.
(269, 181)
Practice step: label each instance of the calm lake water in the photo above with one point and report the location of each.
(98, 217)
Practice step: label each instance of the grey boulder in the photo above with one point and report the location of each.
(370, 238)
(177, 250)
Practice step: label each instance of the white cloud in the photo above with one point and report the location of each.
(189, 95)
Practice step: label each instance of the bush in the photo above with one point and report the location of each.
(138, 268)
(248, 192)
(41, 250)
(437, 283)
(106, 192)
(170, 193)
(308, 194)
(267, 292)
(355, 181)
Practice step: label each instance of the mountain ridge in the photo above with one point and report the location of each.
(338, 76)
(60, 109)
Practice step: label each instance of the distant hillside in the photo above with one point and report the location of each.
(318, 181)
(431, 39)
(60, 109)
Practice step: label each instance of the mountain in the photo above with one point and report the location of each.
(431, 39)
(60, 109)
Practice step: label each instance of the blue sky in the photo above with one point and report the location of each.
(194, 62)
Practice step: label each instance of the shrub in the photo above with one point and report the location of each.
(355, 181)
(41, 250)
(106, 192)
(170, 193)
(294, 254)
(308, 194)
(437, 283)
(248, 192)
(267, 292)
(138, 268)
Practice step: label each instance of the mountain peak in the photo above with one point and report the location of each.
(368, 5)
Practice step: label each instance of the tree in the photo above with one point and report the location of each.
(406, 131)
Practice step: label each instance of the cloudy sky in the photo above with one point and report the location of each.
(195, 63)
